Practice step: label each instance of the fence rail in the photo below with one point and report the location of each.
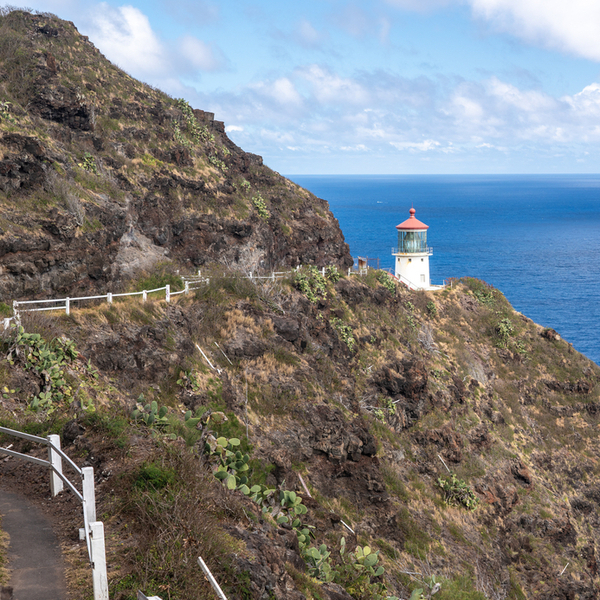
(194, 282)
(93, 531)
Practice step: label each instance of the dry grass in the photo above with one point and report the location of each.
(264, 368)
(178, 521)
(235, 320)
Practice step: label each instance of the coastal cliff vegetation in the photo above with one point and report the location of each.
(319, 436)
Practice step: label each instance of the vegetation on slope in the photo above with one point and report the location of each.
(348, 438)
(455, 438)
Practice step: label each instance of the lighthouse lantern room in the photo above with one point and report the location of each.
(412, 254)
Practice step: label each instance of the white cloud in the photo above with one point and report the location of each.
(231, 128)
(201, 55)
(385, 27)
(419, 5)
(587, 101)
(529, 101)
(125, 36)
(571, 26)
(354, 21)
(355, 148)
(281, 90)
(467, 108)
(568, 26)
(416, 146)
(313, 111)
(329, 88)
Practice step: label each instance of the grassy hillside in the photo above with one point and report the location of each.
(453, 436)
(321, 437)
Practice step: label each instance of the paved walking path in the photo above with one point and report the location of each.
(35, 559)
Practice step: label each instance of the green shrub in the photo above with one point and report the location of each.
(311, 283)
(504, 329)
(150, 413)
(217, 162)
(158, 279)
(416, 539)
(88, 163)
(461, 588)
(5, 112)
(154, 476)
(386, 281)
(111, 424)
(484, 292)
(47, 360)
(359, 573)
(176, 507)
(199, 133)
(457, 492)
(345, 332)
(261, 207)
(332, 273)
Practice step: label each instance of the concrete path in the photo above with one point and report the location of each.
(35, 559)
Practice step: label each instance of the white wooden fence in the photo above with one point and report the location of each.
(190, 283)
(93, 530)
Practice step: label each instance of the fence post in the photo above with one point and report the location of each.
(99, 575)
(68, 305)
(187, 287)
(323, 271)
(211, 579)
(89, 494)
(109, 298)
(144, 295)
(142, 596)
(6, 324)
(168, 293)
(56, 483)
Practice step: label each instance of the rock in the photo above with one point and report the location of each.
(71, 431)
(287, 327)
(550, 334)
(522, 473)
(446, 440)
(406, 383)
(335, 592)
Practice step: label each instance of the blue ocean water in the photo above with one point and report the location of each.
(535, 237)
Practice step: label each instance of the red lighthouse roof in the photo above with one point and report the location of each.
(412, 222)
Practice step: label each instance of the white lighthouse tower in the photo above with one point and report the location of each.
(412, 254)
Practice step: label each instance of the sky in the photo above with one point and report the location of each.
(372, 86)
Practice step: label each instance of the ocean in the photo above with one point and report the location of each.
(534, 237)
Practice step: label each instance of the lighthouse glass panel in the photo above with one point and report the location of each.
(412, 241)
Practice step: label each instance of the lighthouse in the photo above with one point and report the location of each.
(412, 254)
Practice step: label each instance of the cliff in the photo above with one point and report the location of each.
(102, 176)
(257, 423)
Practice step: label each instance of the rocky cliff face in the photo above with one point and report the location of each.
(102, 176)
(446, 432)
